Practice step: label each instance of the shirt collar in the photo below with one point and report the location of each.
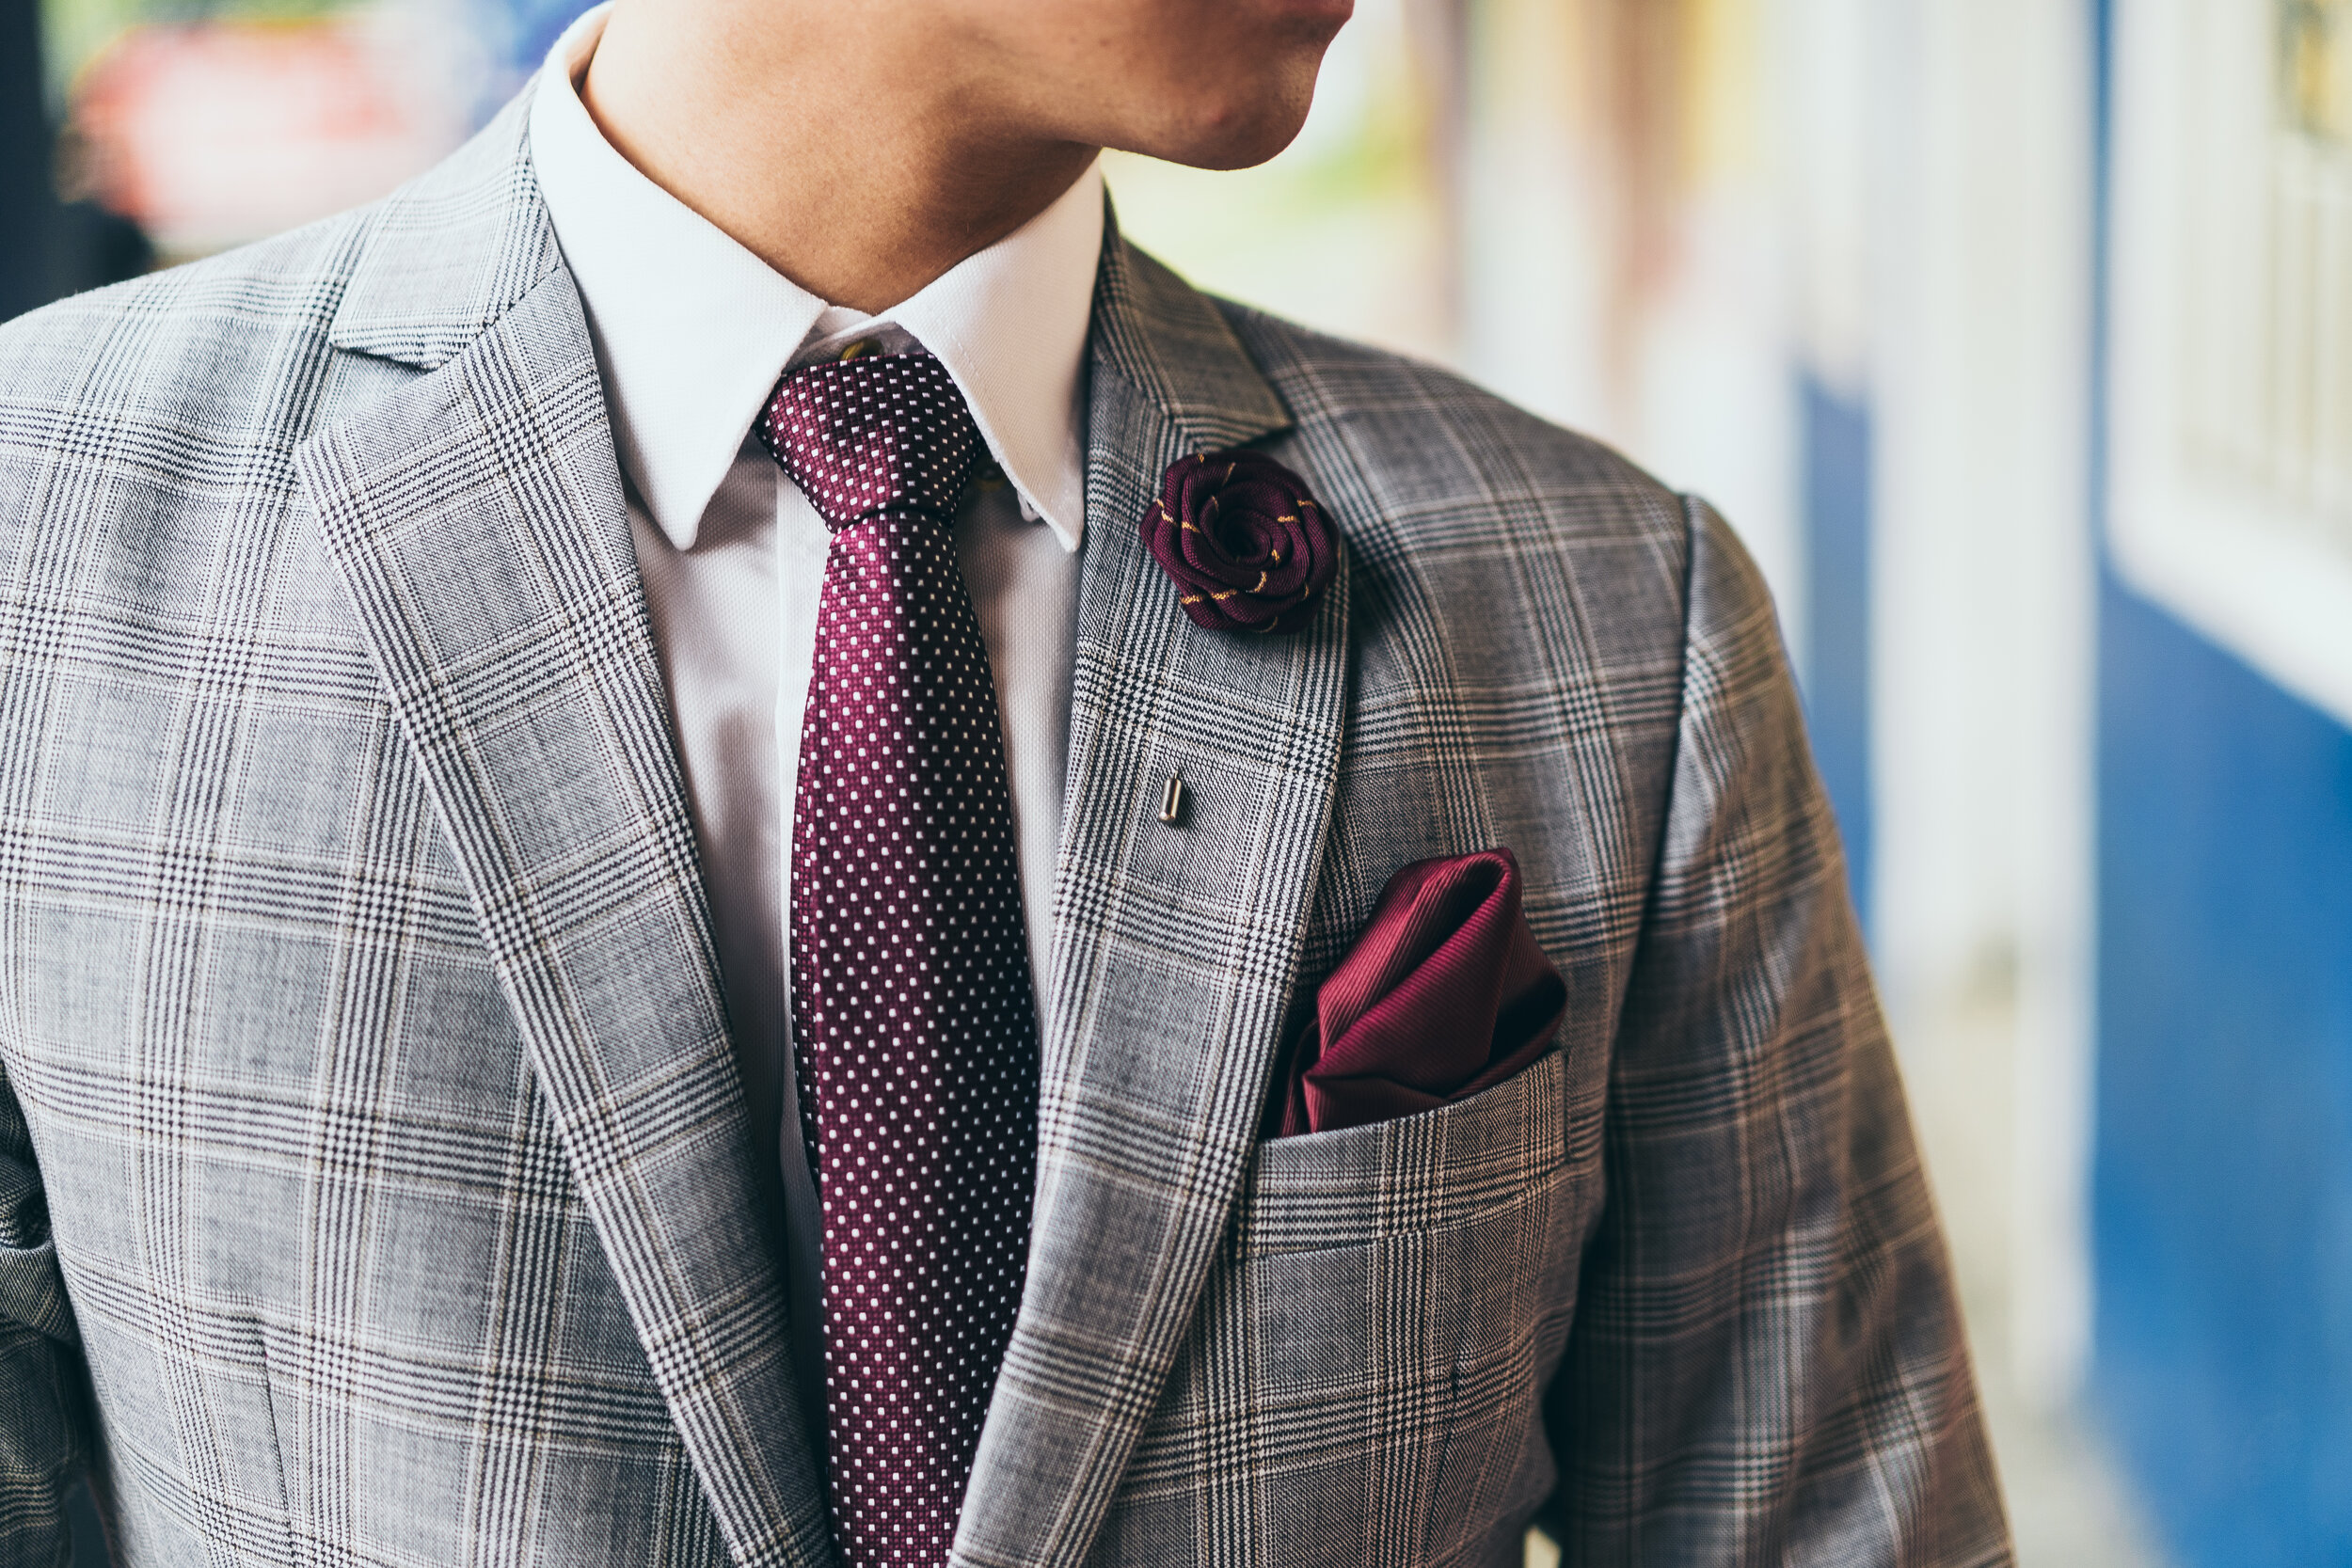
(691, 329)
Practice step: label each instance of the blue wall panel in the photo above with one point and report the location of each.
(1836, 672)
(2222, 1180)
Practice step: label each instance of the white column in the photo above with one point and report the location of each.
(1983, 599)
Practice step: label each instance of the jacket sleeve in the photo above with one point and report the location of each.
(41, 1408)
(1767, 1364)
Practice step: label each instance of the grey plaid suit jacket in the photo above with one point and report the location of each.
(375, 1181)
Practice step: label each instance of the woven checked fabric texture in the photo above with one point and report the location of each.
(912, 1012)
(375, 1182)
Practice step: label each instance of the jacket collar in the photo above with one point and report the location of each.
(450, 252)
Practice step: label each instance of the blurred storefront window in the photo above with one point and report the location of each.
(2235, 328)
(2267, 381)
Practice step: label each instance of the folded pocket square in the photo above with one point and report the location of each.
(1444, 994)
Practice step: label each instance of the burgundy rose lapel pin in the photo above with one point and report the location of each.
(1249, 548)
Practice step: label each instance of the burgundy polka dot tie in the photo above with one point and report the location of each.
(911, 1010)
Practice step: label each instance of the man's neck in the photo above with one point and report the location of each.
(858, 160)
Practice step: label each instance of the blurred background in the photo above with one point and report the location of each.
(2015, 336)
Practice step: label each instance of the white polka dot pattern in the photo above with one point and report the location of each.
(911, 1008)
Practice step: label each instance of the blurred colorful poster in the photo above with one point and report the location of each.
(232, 124)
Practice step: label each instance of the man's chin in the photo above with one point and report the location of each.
(1241, 139)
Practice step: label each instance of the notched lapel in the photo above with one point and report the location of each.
(1175, 947)
(477, 520)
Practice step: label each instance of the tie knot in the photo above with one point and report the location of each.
(859, 436)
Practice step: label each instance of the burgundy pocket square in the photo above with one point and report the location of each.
(1445, 994)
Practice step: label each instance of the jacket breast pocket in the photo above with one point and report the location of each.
(1362, 1380)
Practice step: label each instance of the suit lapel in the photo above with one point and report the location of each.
(1175, 947)
(476, 516)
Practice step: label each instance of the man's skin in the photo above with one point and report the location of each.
(864, 147)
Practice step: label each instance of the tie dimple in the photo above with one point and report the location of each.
(914, 1020)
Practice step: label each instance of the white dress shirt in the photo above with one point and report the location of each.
(691, 331)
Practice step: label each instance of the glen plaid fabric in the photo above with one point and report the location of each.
(912, 1018)
(372, 1141)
